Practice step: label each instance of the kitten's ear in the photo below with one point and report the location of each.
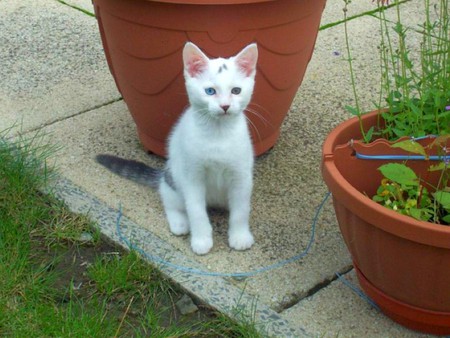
(247, 58)
(195, 62)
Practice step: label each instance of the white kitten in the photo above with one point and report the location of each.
(210, 155)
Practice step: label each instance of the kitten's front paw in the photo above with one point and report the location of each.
(241, 240)
(178, 223)
(201, 246)
(179, 228)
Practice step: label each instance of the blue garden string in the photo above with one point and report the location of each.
(242, 275)
(405, 157)
(238, 275)
(358, 291)
(402, 157)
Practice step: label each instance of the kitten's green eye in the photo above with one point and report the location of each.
(236, 91)
(210, 91)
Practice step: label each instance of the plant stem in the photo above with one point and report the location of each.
(352, 73)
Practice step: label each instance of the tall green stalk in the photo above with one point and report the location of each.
(357, 110)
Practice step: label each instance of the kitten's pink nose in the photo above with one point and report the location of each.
(225, 108)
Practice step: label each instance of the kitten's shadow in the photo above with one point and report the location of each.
(219, 219)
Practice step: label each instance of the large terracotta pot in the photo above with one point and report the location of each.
(402, 264)
(143, 40)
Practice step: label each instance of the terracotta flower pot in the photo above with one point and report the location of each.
(143, 40)
(402, 264)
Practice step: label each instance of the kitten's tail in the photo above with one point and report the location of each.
(132, 170)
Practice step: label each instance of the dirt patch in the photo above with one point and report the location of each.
(70, 265)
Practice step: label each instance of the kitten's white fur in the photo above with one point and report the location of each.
(210, 155)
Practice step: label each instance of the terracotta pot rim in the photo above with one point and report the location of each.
(328, 145)
(389, 220)
(210, 2)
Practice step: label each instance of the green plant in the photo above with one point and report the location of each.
(416, 84)
(414, 101)
(402, 190)
(414, 87)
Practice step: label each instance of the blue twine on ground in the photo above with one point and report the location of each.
(238, 275)
(358, 291)
(242, 275)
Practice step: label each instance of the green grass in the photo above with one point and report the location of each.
(53, 285)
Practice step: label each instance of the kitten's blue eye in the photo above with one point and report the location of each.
(210, 91)
(236, 91)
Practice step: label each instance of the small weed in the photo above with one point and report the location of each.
(66, 227)
(126, 274)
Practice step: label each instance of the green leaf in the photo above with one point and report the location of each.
(399, 132)
(411, 146)
(414, 108)
(443, 197)
(378, 199)
(353, 111)
(446, 219)
(437, 167)
(399, 173)
(369, 133)
(417, 214)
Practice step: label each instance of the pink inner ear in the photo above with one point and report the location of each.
(196, 65)
(246, 59)
(246, 65)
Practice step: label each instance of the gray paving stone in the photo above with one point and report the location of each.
(52, 64)
(339, 311)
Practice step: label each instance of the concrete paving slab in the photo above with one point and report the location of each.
(334, 10)
(52, 64)
(339, 311)
(281, 218)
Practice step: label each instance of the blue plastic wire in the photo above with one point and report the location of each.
(358, 291)
(238, 275)
(444, 158)
(402, 157)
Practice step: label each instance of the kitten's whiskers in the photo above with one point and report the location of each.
(258, 114)
(254, 127)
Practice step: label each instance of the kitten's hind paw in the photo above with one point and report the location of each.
(241, 240)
